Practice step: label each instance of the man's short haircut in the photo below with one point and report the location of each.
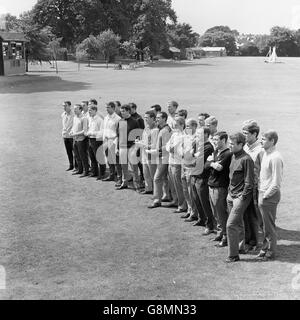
(111, 104)
(93, 101)
(126, 107)
(132, 105)
(192, 122)
(79, 106)
(205, 115)
(94, 108)
(206, 130)
(239, 138)
(151, 114)
(174, 104)
(118, 103)
(249, 123)
(252, 128)
(271, 135)
(157, 107)
(164, 115)
(68, 103)
(85, 102)
(212, 120)
(222, 135)
(182, 113)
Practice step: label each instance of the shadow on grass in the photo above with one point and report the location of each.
(178, 64)
(290, 235)
(39, 83)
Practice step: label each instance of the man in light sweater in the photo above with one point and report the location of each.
(269, 185)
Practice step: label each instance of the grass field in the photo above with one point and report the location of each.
(67, 238)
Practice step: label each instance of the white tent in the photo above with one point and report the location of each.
(272, 56)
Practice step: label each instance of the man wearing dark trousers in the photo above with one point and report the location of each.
(218, 184)
(127, 132)
(138, 118)
(95, 134)
(201, 186)
(67, 124)
(79, 132)
(240, 193)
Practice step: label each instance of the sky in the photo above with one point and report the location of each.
(246, 16)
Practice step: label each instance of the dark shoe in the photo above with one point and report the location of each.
(70, 168)
(185, 216)
(242, 251)
(146, 192)
(109, 178)
(154, 205)
(165, 200)
(232, 259)
(218, 238)
(77, 172)
(171, 205)
(199, 224)
(190, 219)
(84, 175)
(122, 186)
(208, 231)
(179, 211)
(221, 244)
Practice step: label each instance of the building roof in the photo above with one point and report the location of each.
(174, 50)
(12, 36)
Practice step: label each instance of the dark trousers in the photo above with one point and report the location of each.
(204, 211)
(69, 149)
(96, 167)
(80, 148)
(217, 197)
(251, 225)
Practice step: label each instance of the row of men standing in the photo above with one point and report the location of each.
(191, 167)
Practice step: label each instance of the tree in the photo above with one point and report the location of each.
(219, 39)
(109, 44)
(90, 46)
(150, 28)
(182, 36)
(11, 23)
(249, 49)
(128, 48)
(285, 41)
(262, 43)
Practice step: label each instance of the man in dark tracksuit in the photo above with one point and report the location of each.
(240, 193)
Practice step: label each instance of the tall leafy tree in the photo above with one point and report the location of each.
(150, 28)
(285, 41)
(109, 44)
(220, 36)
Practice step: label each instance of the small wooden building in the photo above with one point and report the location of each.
(203, 52)
(12, 53)
(175, 53)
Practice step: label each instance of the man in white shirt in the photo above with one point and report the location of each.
(174, 147)
(67, 124)
(95, 134)
(269, 185)
(111, 121)
(172, 109)
(78, 133)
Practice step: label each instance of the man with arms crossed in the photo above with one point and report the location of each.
(270, 179)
